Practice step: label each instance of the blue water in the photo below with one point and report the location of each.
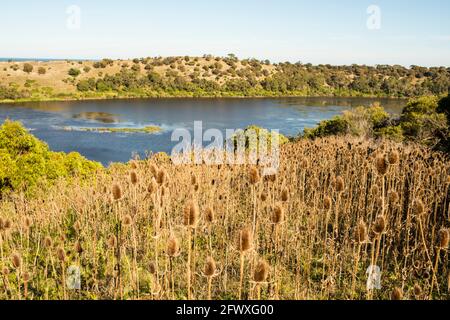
(49, 121)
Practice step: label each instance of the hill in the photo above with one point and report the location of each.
(210, 76)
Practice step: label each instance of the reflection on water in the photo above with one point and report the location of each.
(103, 117)
(48, 120)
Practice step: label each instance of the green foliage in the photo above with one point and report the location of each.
(74, 72)
(26, 161)
(423, 120)
(254, 135)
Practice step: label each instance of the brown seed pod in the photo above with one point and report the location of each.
(28, 222)
(261, 272)
(397, 294)
(5, 271)
(153, 170)
(263, 197)
(419, 207)
(379, 226)
(210, 267)
(393, 157)
(61, 253)
(278, 214)
(209, 215)
(152, 268)
(16, 261)
(26, 276)
(116, 192)
(417, 291)
(444, 238)
(393, 197)
(173, 248)
(112, 241)
(340, 184)
(193, 180)
(191, 214)
(48, 243)
(133, 177)
(327, 203)
(381, 165)
(361, 232)
(285, 195)
(245, 240)
(162, 177)
(254, 175)
(127, 220)
(78, 247)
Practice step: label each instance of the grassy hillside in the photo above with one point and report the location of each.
(211, 76)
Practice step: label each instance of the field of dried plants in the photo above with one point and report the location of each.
(153, 230)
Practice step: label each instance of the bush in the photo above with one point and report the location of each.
(42, 70)
(336, 126)
(28, 68)
(26, 161)
(74, 72)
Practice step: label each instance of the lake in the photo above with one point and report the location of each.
(62, 124)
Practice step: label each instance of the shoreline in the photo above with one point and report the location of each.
(213, 97)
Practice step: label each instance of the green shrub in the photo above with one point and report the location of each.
(74, 72)
(268, 136)
(28, 68)
(336, 126)
(26, 161)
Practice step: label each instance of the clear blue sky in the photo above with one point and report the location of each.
(319, 31)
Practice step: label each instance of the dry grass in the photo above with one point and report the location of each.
(151, 230)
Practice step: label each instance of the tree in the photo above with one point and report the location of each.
(42, 70)
(74, 72)
(28, 68)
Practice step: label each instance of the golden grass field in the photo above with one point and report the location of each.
(153, 230)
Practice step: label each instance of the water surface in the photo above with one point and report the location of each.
(56, 122)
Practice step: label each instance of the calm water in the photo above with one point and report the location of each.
(50, 121)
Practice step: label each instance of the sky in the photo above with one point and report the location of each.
(405, 32)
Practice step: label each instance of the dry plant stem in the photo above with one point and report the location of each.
(355, 270)
(188, 270)
(435, 270)
(209, 288)
(241, 274)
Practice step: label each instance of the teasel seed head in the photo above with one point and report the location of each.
(419, 207)
(397, 294)
(381, 165)
(285, 195)
(245, 240)
(191, 214)
(152, 268)
(379, 226)
(112, 241)
(16, 261)
(393, 197)
(61, 253)
(48, 243)
(1, 223)
(278, 214)
(340, 184)
(116, 192)
(327, 203)
(78, 247)
(254, 175)
(26, 276)
(28, 222)
(5, 271)
(263, 196)
(193, 180)
(133, 177)
(417, 291)
(444, 238)
(173, 248)
(261, 272)
(361, 232)
(393, 157)
(209, 215)
(127, 220)
(162, 176)
(210, 267)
